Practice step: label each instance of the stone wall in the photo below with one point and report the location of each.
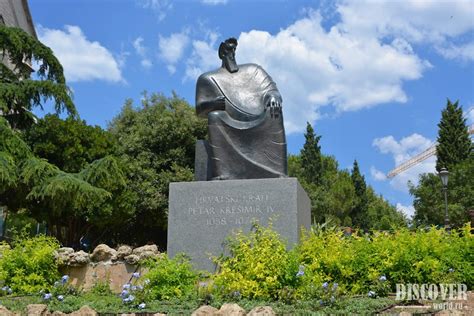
(104, 264)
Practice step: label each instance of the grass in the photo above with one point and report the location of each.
(112, 304)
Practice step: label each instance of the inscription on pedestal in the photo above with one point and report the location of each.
(203, 214)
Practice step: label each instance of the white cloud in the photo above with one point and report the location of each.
(415, 20)
(204, 56)
(171, 48)
(403, 150)
(160, 7)
(360, 62)
(213, 2)
(408, 210)
(377, 175)
(314, 67)
(82, 59)
(142, 51)
(461, 52)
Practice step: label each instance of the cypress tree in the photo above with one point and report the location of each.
(454, 145)
(311, 157)
(359, 212)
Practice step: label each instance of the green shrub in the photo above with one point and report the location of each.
(169, 278)
(30, 266)
(362, 263)
(259, 267)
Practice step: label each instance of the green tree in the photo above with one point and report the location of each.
(64, 200)
(69, 144)
(429, 199)
(454, 145)
(157, 139)
(311, 160)
(359, 212)
(381, 215)
(18, 93)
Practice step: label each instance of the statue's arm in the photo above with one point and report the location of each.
(208, 98)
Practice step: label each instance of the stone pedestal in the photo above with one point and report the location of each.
(202, 214)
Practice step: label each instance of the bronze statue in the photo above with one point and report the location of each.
(245, 121)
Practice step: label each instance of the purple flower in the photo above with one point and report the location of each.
(134, 288)
(136, 275)
(371, 294)
(64, 279)
(142, 306)
(131, 297)
(325, 285)
(47, 296)
(60, 298)
(126, 286)
(383, 278)
(124, 293)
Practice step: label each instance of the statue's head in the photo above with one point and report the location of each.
(227, 54)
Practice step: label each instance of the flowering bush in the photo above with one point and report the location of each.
(259, 267)
(30, 265)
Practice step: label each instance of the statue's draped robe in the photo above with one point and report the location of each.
(246, 140)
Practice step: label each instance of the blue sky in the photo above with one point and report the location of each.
(371, 76)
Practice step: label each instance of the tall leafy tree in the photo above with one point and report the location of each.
(18, 92)
(454, 145)
(157, 139)
(429, 201)
(311, 160)
(359, 213)
(93, 195)
(96, 198)
(69, 144)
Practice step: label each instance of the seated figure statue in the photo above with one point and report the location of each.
(245, 121)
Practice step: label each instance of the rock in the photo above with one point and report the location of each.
(262, 311)
(231, 309)
(159, 314)
(123, 251)
(79, 258)
(132, 259)
(37, 310)
(451, 312)
(103, 253)
(58, 313)
(146, 251)
(84, 311)
(205, 310)
(5, 312)
(63, 254)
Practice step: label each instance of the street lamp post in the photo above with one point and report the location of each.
(443, 174)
